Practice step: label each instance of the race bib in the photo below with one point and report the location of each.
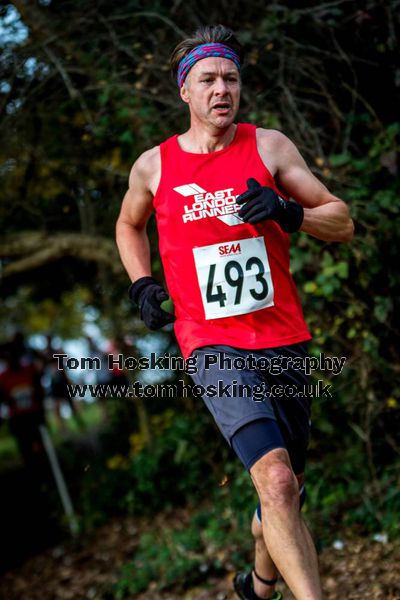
(22, 396)
(234, 277)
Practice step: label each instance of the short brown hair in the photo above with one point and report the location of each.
(205, 35)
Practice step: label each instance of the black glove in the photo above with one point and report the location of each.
(148, 295)
(261, 203)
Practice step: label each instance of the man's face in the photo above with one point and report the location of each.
(212, 90)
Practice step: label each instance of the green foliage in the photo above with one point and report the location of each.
(64, 317)
(140, 480)
(174, 556)
(349, 294)
(182, 557)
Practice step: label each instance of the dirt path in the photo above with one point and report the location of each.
(363, 569)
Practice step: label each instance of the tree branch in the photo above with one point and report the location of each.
(32, 250)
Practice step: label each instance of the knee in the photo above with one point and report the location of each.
(279, 488)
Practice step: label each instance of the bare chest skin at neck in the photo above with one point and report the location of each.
(206, 144)
(266, 150)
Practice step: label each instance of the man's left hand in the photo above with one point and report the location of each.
(262, 203)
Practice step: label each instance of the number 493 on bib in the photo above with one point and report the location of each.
(234, 277)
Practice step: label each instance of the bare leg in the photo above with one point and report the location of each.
(263, 563)
(286, 537)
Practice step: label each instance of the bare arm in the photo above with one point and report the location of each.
(326, 217)
(131, 236)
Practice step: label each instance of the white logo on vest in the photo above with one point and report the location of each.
(220, 204)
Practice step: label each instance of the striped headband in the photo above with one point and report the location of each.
(204, 51)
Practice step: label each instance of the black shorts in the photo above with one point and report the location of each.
(284, 397)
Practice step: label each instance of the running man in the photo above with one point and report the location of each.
(220, 192)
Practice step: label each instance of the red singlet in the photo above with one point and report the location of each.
(19, 390)
(229, 281)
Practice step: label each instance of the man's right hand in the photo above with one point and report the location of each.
(148, 295)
